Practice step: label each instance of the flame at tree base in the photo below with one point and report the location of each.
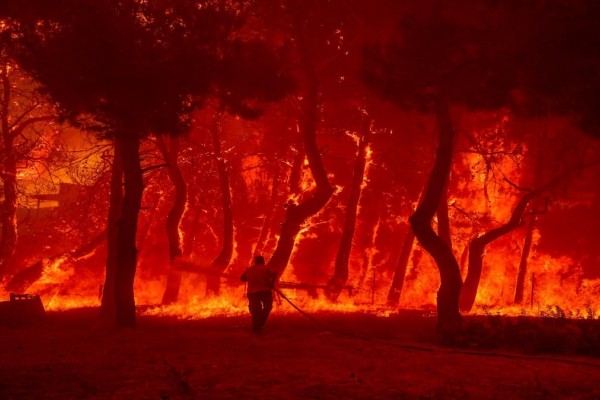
(555, 287)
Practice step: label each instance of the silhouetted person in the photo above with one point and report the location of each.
(261, 281)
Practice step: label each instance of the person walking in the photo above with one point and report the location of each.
(261, 281)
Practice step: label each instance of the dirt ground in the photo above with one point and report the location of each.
(71, 356)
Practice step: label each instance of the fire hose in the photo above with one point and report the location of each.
(341, 332)
(428, 349)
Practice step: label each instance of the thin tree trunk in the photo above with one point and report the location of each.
(224, 258)
(266, 226)
(193, 214)
(107, 307)
(171, 154)
(520, 287)
(449, 319)
(126, 235)
(9, 179)
(296, 170)
(340, 273)
(395, 292)
(465, 253)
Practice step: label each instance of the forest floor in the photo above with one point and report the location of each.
(348, 356)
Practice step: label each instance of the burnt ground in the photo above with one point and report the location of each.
(349, 356)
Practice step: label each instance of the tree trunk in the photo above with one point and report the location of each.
(443, 218)
(126, 235)
(266, 226)
(9, 179)
(171, 154)
(477, 249)
(340, 273)
(107, 307)
(465, 253)
(449, 318)
(224, 258)
(520, 287)
(297, 215)
(395, 292)
(296, 170)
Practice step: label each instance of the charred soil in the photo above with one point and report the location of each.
(345, 356)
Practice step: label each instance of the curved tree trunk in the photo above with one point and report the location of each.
(520, 287)
(126, 234)
(395, 291)
(340, 273)
(297, 215)
(449, 318)
(171, 154)
(477, 245)
(9, 179)
(222, 261)
(477, 249)
(107, 307)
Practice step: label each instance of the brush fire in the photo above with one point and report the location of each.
(413, 179)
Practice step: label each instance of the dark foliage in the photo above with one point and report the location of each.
(538, 58)
(140, 67)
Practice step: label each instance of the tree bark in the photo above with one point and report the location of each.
(266, 226)
(296, 171)
(126, 234)
(395, 291)
(222, 261)
(477, 245)
(520, 287)
(477, 249)
(297, 214)
(449, 319)
(443, 218)
(171, 154)
(107, 306)
(340, 273)
(9, 179)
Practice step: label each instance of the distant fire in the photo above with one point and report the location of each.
(554, 286)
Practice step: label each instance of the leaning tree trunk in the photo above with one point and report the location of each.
(126, 234)
(340, 273)
(107, 307)
(530, 228)
(477, 249)
(27, 276)
(224, 258)
(520, 287)
(171, 154)
(395, 291)
(449, 318)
